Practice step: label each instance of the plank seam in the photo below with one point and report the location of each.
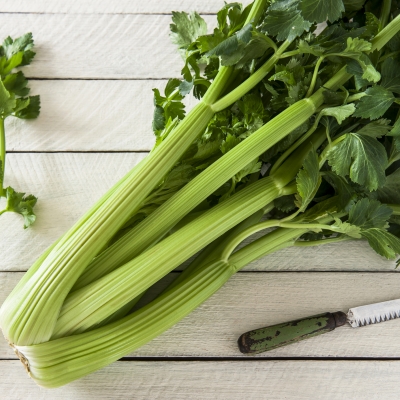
(245, 359)
(178, 271)
(33, 78)
(77, 151)
(83, 13)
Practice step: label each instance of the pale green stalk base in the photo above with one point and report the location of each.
(61, 361)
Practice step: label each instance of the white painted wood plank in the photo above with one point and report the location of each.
(289, 380)
(79, 115)
(98, 46)
(120, 6)
(87, 116)
(68, 184)
(253, 300)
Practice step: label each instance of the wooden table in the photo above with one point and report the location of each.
(96, 64)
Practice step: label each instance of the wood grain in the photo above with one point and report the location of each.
(87, 46)
(112, 7)
(253, 300)
(289, 380)
(67, 184)
(89, 115)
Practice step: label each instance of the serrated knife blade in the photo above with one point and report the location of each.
(373, 313)
(271, 337)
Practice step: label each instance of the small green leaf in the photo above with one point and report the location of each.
(170, 87)
(307, 48)
(307, 181)
(368, 213)
(322, 10)
(383, 242)
(339, 113)
(158, 119)
(14, 62)
(249, 169)
(355, 46)
(19, 203)
(28, 110)
(285, 203)
(376, 102)
(376, 129)
(7, 101)
(185, 87)
(22, 44)
(284, 20)
(21, 103)
(360, 157)
(346, 228)
(372, 24)
(17, 84)
(229, 143)
(186, 28)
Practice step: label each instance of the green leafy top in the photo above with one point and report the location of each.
(358, 161)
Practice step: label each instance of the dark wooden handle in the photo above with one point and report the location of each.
(271, 337)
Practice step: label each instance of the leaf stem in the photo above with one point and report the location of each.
(251, 81)
(385, 13)
(315, 76)
(290, 53)
(224, 73)
(355, 97)
(386, 34)
(323, 156)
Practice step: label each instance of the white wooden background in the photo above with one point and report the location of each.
(96, 64)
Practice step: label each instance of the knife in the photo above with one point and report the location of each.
(271, 337)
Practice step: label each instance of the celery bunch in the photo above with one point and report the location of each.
(293, 131)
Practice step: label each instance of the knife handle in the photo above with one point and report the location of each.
(279, 335)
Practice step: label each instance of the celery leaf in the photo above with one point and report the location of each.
(322, 10)
(376, 102)
(19, 203)
(17, 84)
(186, 28)
(367, 214)
(360, 157)
(383, 242)
(27, 107)
(376, 128)
(307, 181)
(339, 113)
(284, 20)
(7, 102)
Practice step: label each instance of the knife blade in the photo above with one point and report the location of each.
(272, 337)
